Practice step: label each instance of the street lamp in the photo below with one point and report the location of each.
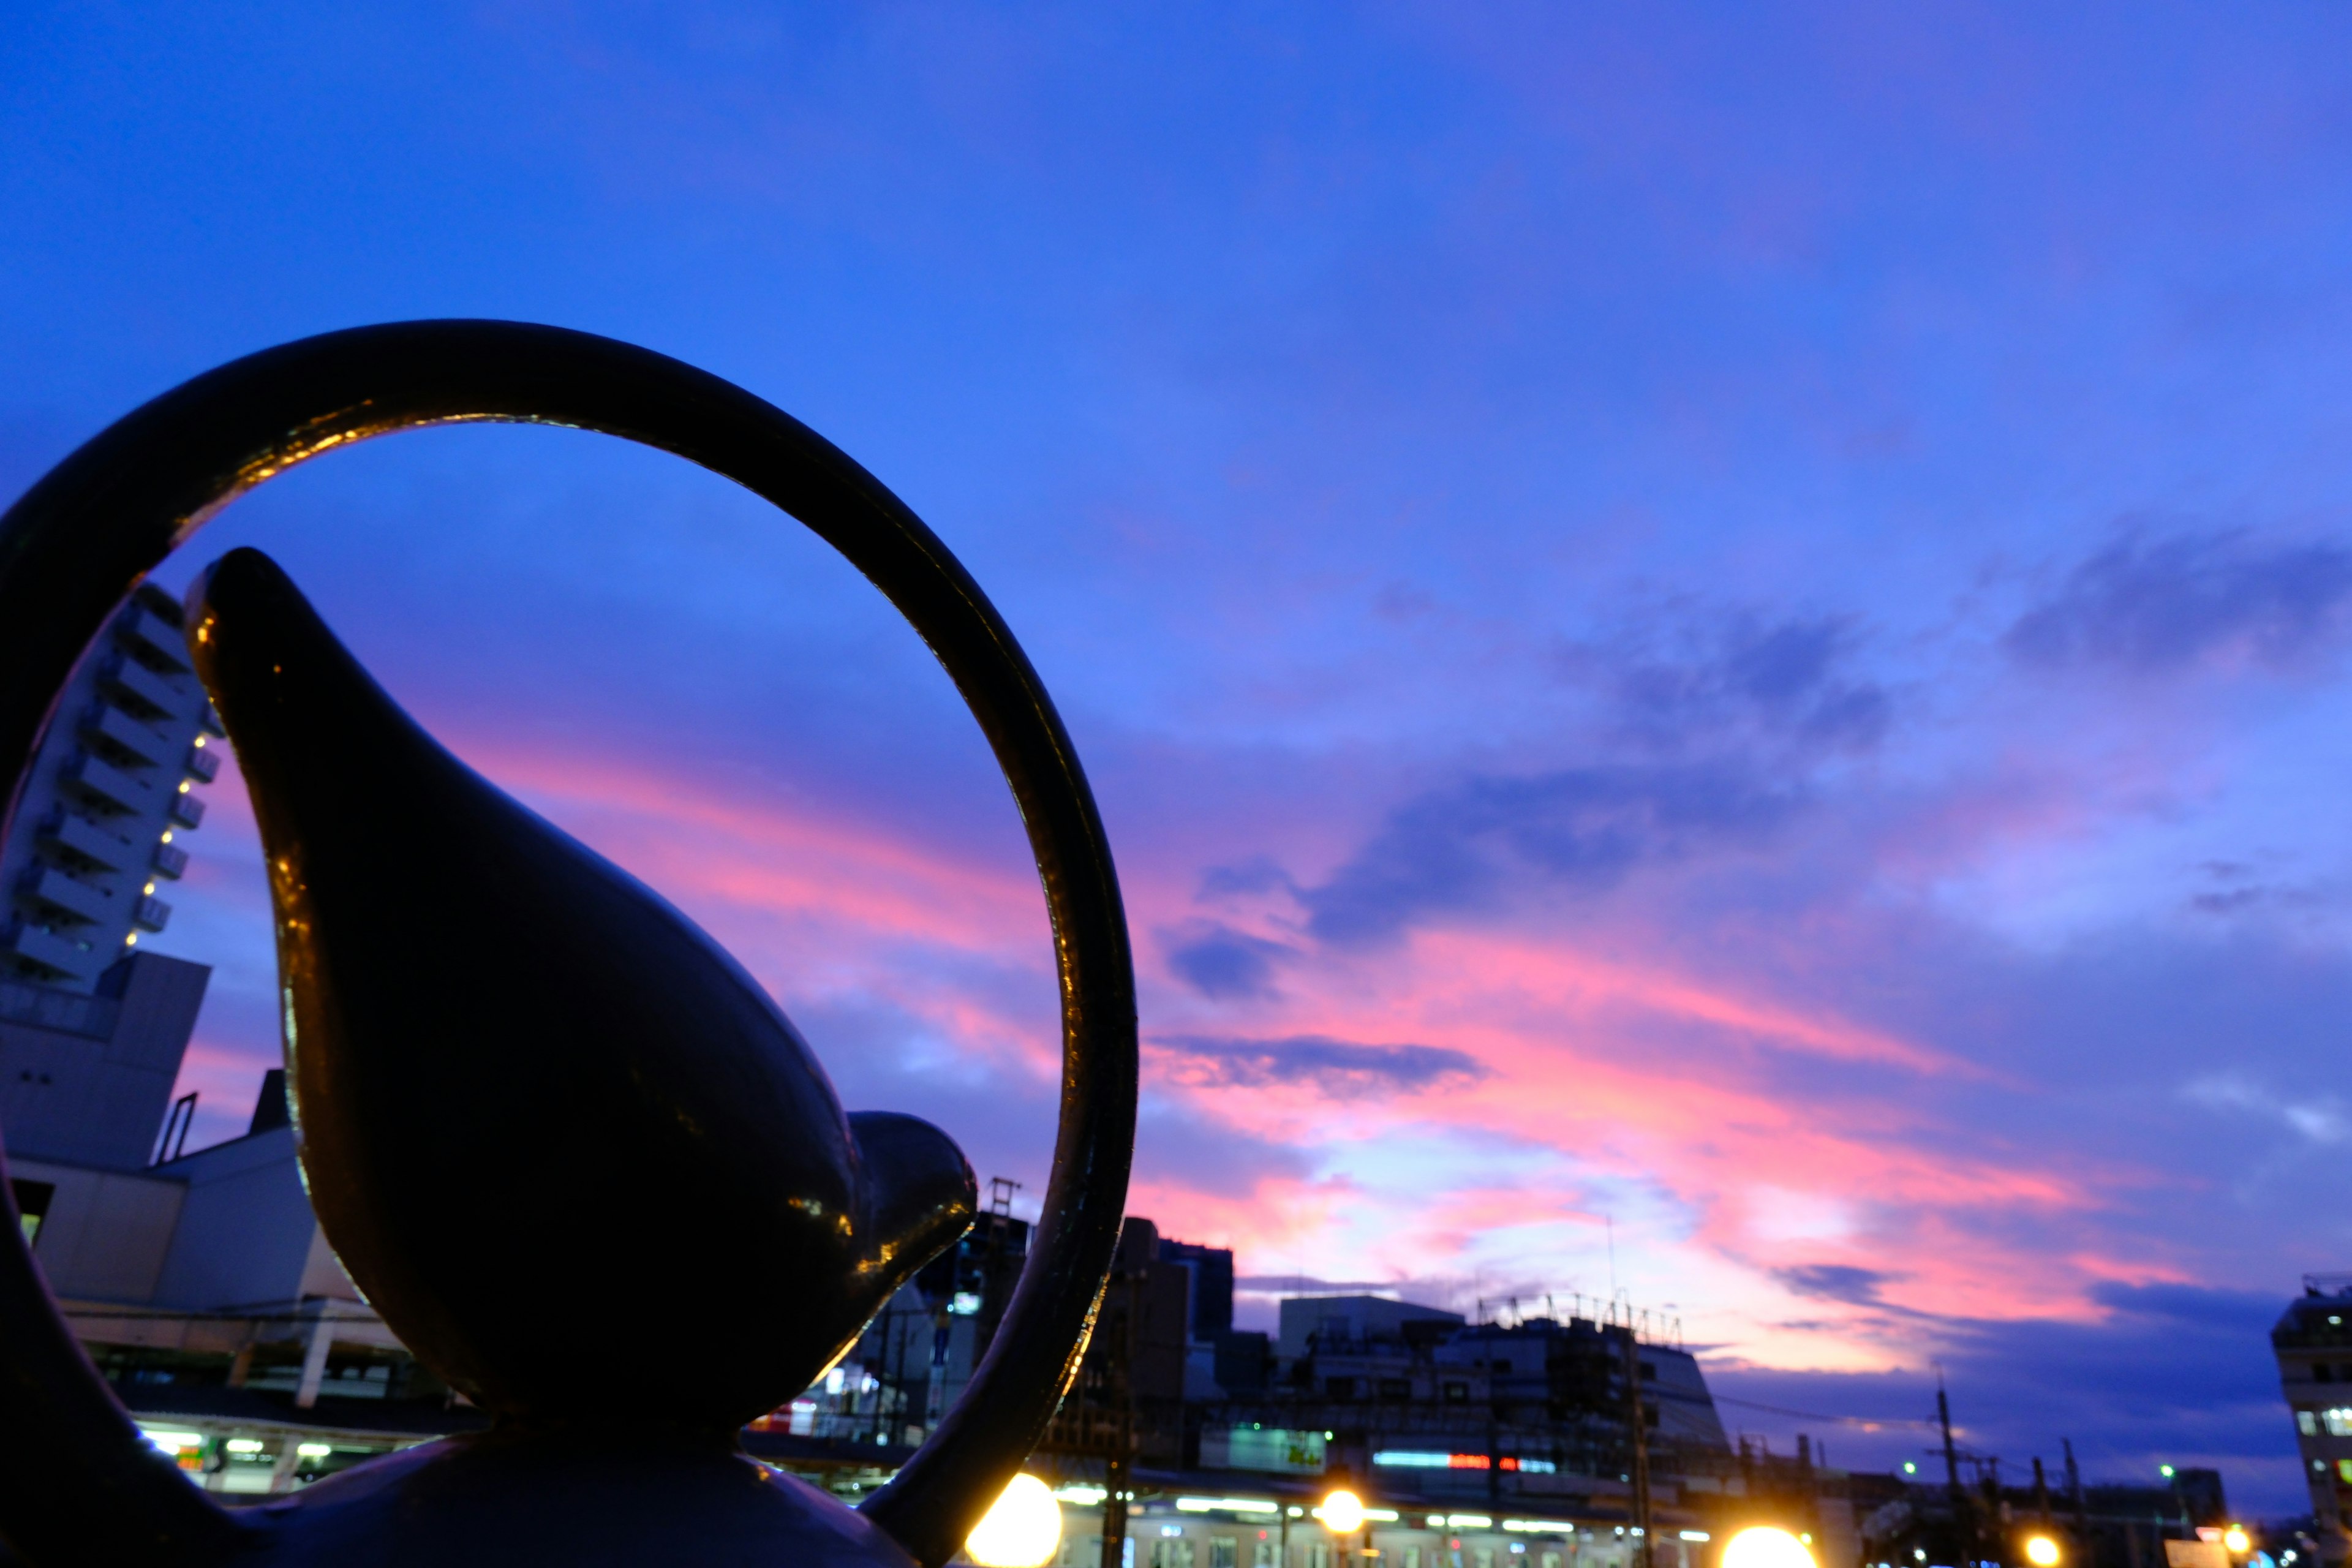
(1021, 1528)
(2041, 1552)
(1765, 1546)
(2236, 1539)
(1342, 1512)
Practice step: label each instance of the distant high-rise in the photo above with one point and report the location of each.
(1211, 1268)
(109, 788)
(2312, 1342)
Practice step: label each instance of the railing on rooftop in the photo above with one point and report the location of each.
(1655, 1328)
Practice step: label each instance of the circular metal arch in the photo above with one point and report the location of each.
(85, 535)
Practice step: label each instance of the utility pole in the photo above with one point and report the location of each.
(1097, 1419)
(1963, 1520)
(1118, 1479)
(2041, 1493)
(1638, 1421)
(2075, 1496)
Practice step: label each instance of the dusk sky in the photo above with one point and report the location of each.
(1724, 628)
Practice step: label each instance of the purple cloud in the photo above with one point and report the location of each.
(1340, 1069)
(1221, 962)
(1586, 829)
(2155, 604)
(1790, 680)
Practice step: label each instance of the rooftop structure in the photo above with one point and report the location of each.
(85, 1078)
(1335, 1325)
(108, 792)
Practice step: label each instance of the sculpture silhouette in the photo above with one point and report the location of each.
(543, 1117)
(576, 1158)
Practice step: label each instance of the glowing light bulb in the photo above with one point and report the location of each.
(2236, 1539)
(1021, 1530)
(1342, 1512)
(1764, 1546)
(2041, 1552)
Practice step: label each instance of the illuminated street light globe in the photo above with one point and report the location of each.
(2041, 1552)
(1022, 1529)
(2236, 1539)
(1342, 1512)
(1764, 1546)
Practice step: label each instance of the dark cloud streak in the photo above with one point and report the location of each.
(1340, 1069)
(2153, 605)
(1784, 681)
(1585, 829)
(1222, 963)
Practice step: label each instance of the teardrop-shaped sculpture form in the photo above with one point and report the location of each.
(582, 1164)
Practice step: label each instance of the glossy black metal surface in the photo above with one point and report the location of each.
(82, 537)
(546, 1121)
(622, 1498)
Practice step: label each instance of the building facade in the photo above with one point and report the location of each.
(111, 788)
(199, 1283)
(2312, 1342)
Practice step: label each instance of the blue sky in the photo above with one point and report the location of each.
(1727, 625)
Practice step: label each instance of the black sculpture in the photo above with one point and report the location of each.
(519, 1075)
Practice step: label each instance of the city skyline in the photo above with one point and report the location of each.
(1716, 636)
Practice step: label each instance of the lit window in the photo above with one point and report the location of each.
(2338, 1420)
(32, 1205)
(2306, 1422)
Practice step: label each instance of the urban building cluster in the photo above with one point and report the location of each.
(1555, 1433)
(1551, 1434)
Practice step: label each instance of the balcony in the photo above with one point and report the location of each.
(129, 677)
(80, 836)
(150, 914)
(169, 861)
(111, 724)
(110, 786)
(152, 635)
(187, 810)
(54, 891)
(203, 763)
(51, 953)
